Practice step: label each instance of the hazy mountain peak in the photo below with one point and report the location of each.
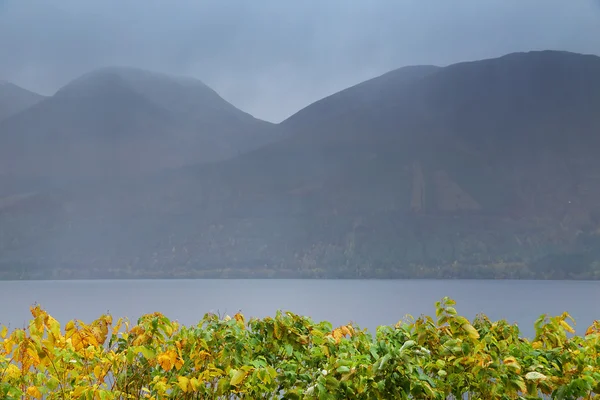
(98, 120)
(14, 99)
(135, 77)
(134, 74)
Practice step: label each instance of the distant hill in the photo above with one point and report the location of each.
(14, 99)
(479, 169)
(125, 121)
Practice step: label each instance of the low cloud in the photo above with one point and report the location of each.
(272, 58)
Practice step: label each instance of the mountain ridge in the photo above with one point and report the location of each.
(483, 169)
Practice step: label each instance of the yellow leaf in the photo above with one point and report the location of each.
(277, 330)
(70, 327)
(53, 326)
(117, 326)
(34, 392)
(12, 371)
(77, 341)
(178, 363)
(167, 359)
(98, 371)
(35, 358)
(195, 384)
(3, 332)
(239, 317)
(567, 327)
(168, 330)
(141, 339)
(204, 355)
(471, 331)
(183, 383)
(511, 362)
(238, 377)
(160, 387)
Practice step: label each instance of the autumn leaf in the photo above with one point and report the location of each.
(70, 328)
(238, 377)
(98, 371)
(239, 318)
(167, 359)
(471, 331)
(194, 384)
(77, 341)
(277, 330)
(183, 383)
(567, 327)
(12, 371)
(511, 362)
(33, 356)
(33, 391)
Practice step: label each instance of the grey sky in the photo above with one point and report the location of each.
(273, 57)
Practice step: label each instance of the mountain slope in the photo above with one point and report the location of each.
(14, 99)
(124, 121)
(365, 95)
(484, 130)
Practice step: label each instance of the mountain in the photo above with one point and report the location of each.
(478, 169)
(499, 132)
(123, 121)
(363, 96)
(14, 99)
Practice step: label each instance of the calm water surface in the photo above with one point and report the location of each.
(368, 303)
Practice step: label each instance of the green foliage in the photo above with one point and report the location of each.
(289, 356)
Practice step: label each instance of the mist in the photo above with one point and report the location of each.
(273, 58)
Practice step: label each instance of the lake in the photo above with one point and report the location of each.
(368, 303)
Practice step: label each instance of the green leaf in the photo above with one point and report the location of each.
(148, 354)
(383, 361)
(104, 395)
(407, 345)
(52, 383)
(343, 369)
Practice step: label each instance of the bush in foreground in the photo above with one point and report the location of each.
(291, 357)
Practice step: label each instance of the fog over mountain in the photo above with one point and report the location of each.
(299, 139)
(115, 122)
(14, 99)
(485, 169)
(272, 58)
